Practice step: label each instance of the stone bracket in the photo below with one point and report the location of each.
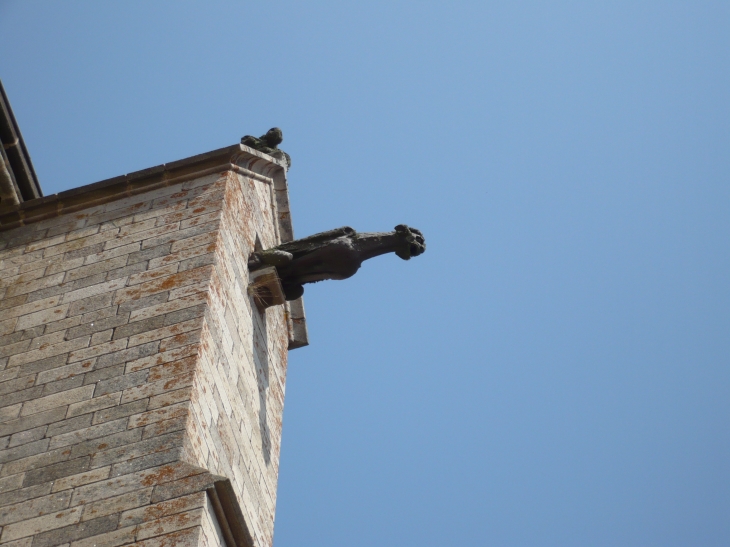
(265, 288)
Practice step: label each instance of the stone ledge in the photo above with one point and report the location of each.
(145, 180)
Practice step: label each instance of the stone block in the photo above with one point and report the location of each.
(90, 304)
(182, 487)
(76, 531)
(120, 383)
(163, 509)
(16, 384)
(49, 351)
(24, 450)
(139, 326)
(48, 315)
(94, 290)
(166, 413)
(35, 461)
(163, 284)
(168, 307)
(149, 254)
(105, 443)
(165, 333)
(137, 449)
(13, 482)
(56, 471)
(117, 504)
(122, 536)
(173, 523)
(120, 411)
(50, 388)
(163, 386)
(98, 326)
(92, 405)
(57, 400)
(87, 477)
(183, 538)
(87, 433)
(126, 355)
(33, 508)
(27, 436)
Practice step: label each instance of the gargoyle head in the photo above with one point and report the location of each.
(414, 243)
(273, 137)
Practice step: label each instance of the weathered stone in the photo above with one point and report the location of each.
(162, 509)
(174, 411)
(120, 411)
(133, 450)
(139, 326)
(146, 355)
(27, 436)
(173, 523)
(92, 405)
(105, 443)
(66, 384)
(42, 365)
(35, 461)
(10, 494)
(24, 450)
(33, 508)
(97, 326)
(126, 355)
(17, 384)
(148, 254)
(181, 487)
(87, 477)
(56, 400)
(146, 462)
(90, 304)
(87, 433)
(120, 383)
(117, 504)
(13, 482)
(183, 538)
(114, 538)
(76, 531)
(56, 471)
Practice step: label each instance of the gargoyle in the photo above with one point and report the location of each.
(335, 254)
(268, 144)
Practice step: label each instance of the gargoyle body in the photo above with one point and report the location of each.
(335, 254)
(268, 144)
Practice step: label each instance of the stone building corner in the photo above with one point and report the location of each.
(141, 388)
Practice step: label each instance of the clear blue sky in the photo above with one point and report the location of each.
(555, 369)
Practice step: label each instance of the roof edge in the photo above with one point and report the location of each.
(137, 182)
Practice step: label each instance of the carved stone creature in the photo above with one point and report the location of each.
(268, 144)
(335, 254)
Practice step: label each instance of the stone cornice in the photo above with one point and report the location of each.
(237, 158)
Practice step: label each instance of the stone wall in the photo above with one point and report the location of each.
(141, 392)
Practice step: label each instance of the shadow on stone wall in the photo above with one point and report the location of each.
(261, 363)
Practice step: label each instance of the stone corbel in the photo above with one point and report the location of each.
(265, 288)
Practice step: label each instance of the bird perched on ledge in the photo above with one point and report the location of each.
(268, 144)
(335, 254)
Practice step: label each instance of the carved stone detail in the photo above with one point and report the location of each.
(268, 144)
(335, 254)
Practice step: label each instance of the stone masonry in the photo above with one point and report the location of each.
(141, 390)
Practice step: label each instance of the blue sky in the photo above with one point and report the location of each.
(553, 371)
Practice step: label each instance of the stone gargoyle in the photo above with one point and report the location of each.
(335, 254)
(268, 144)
